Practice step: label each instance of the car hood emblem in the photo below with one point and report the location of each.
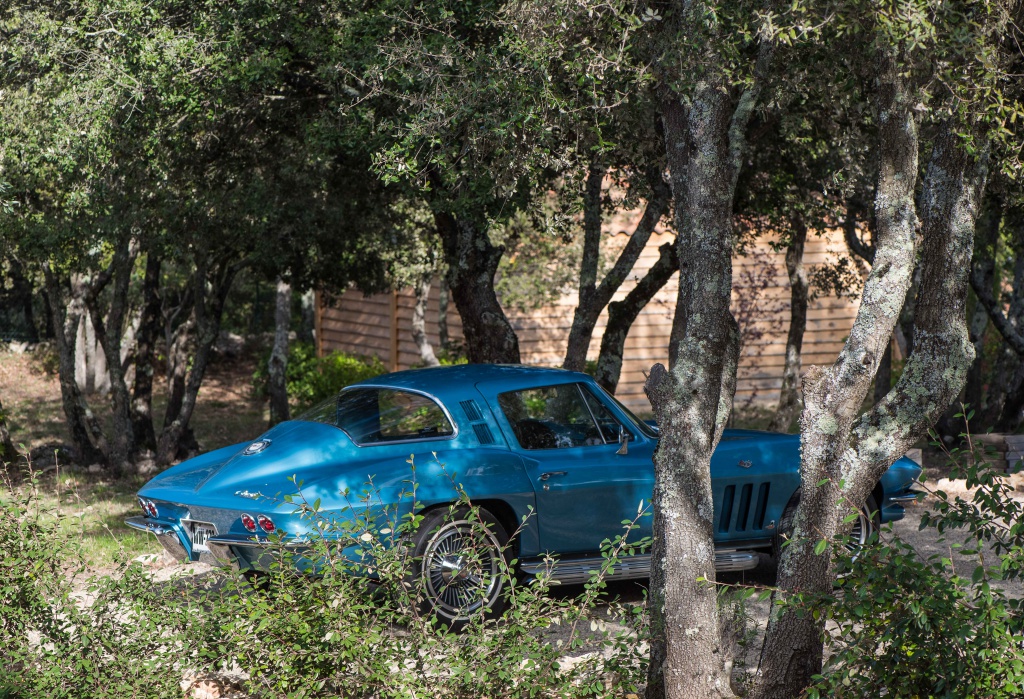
(256, 447)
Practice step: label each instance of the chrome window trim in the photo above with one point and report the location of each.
(593, 418)
(429, 396)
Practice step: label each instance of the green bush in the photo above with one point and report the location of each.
(311, 379)
(333, 634)
(918, 627)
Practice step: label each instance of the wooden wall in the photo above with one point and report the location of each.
(360, 324)
(363, 325)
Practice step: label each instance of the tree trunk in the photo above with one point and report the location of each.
(472, 263)
(444, 340)
(949, 427)
(622, 314)
(308, 327)
(848, 455)
(108, 334)
(594, 297)
(883, 377)
(1012, 411)
(145, 346)
(277, 367)
(90, 360)
(792, 650)
(22, 295)
(86, 434)
(180, 348)
(419, 323)
(692, 401)
(7, 450)
(975, 389)
(208, 310)
(789, 396)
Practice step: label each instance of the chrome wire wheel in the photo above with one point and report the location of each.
(864, 526)
(462, 569)
(861, 530)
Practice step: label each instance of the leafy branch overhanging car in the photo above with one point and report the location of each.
(546, 452)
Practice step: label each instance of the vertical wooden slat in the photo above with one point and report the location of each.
(318, 323)
(393, 330)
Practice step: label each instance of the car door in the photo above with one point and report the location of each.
(585, 488)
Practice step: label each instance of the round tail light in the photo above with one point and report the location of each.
(248, 522)
(142, 504)
(265, 524)
(151, 509)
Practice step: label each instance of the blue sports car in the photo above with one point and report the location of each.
(544, 452)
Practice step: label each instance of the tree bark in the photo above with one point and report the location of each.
(1006, 396)
(277, 367)
(705, 142)
(21, 296)
(179, 349)
(308, 327)
(789, 396)
(594, 297)
(1012, 411)
(848, 455)
(145, 346)
(108, 335)
(792, 650)
(207, 310)
(883, 377)
(419, 323)
(86, 434)
(622, 314)
(443, 338)
(472, 263)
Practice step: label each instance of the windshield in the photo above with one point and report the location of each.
(374, 415)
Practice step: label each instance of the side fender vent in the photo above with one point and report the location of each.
(483, 433)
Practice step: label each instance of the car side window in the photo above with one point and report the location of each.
(378, 415)
(554, 417)
(606, 421)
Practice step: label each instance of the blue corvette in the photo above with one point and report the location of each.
(519, 440)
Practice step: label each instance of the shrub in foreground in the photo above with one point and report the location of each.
(357, 627)
(931, 626)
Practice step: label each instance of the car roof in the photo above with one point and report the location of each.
(456, 380)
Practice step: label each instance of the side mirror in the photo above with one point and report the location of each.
(624, 437)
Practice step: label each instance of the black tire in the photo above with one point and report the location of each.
(460, 565)
(863, 527)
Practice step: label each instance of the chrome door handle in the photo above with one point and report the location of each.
(549, 474)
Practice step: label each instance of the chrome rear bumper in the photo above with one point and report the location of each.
(166, 534)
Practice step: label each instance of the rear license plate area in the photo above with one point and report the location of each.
(199, 533)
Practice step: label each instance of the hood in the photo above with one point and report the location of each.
(735, 435)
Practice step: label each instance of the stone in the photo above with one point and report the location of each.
(95, 468)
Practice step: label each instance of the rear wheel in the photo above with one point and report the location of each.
(459, 564)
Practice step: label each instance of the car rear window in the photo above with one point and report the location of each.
(375, 415)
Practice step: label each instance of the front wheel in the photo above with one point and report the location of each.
(864, 526)
(459, 564)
